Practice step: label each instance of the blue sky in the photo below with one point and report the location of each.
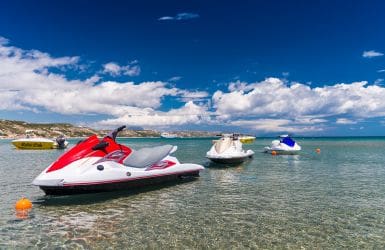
(264, 67)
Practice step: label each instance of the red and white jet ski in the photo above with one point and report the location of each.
(95, 165)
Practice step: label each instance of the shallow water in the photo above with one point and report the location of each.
(335, 199)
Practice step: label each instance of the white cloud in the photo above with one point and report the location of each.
(3, 40)
(378, 81)
(174, 79)
(164, 18)
(285, 74)
(26, 83)
(273, 98)
(279, 126)
(371, 53)
(345, 121)
(186, 15)
(187, 96)
(114, 69)
(381, 71)
(190, 113)
(179, 16)
(238, 85)
(309, 120)
(111, 68)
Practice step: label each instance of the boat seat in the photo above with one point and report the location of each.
(288, 141)
(145, 157)
(223, 144)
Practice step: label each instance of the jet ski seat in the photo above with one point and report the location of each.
(288, 141)
(223, 144)
(145, 157)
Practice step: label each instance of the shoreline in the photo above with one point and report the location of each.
(10, 129)
(120, 137)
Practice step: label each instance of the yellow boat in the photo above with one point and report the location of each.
(37, 143)
(247, 139)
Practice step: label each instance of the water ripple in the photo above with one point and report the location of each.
(330, 200)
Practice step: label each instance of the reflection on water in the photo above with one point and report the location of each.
(94, 198)
(216, 165)
(330, 200)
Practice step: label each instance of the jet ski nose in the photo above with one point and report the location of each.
(48, 182)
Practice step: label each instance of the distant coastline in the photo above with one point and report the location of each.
(17, 129)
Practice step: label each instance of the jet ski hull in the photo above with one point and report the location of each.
(232, 160)
(33, 143)
(121, 185)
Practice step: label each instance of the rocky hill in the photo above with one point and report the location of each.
(16, 129)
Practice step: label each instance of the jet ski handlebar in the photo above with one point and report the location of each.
(103, 144)
(115, 132)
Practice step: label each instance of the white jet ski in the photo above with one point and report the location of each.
(285, 145)
(228, 149)
(95, 165)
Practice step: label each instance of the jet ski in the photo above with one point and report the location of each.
(40, 143)
(99, 165)
(228, 149)
(285, 145)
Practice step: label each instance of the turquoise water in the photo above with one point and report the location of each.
(335, 199)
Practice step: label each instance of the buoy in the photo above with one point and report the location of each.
(23, 204)
(318, 150)
(273, 152)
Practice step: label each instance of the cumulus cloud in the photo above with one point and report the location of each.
(371, 53)
(272, 99)
(114, 69)
(190, 113)
(279, 126)
(179, 16)
(27, 83)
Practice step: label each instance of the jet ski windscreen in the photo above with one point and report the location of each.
(288, 141)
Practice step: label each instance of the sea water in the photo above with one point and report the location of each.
(334, 199)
